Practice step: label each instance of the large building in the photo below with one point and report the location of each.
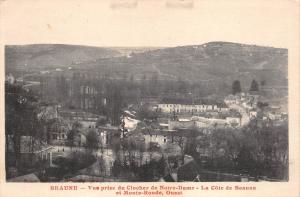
(190, 106)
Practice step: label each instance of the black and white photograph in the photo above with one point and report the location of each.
(205, 112)
(149, 98)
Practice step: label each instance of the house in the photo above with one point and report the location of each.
(107, 133)
(230, 99)
(48, 111)
(202, 123)
(253, 113)
(158, 138)
(220, 120)
(234, 120)
(161, 138)
(181, 123)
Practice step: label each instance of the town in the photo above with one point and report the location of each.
(76, 124)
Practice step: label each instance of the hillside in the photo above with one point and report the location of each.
(41, 56)
(215, 65)
(211, 62)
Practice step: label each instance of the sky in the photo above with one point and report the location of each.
(149, 23)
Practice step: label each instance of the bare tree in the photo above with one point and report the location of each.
(181, 141)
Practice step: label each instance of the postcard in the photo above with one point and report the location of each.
(149, 98)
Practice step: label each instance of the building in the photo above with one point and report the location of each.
(86, 119)
(190, 106)
(160, 138)
(107, 133)
(181, 123)
(253, 113)
(219, 121)
(48, 111)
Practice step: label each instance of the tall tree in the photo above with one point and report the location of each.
(236, 87)
(115, 105)
(254, 86)
(71, 137)
(181, 142)
(20, 118)
(92, 140)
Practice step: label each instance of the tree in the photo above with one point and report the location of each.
(191, 144)
(76, 125)
(115, 104)
(254, 86)
(244, 159)
(71, 137)
(92, 140)
(181, 142)
(20, 118)
(236, 87)
(145, 113)
(102, 165)
(161, 166)
(101, 122)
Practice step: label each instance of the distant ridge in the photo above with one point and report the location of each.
(217, 63)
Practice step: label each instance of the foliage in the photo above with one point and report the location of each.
(76, 125)
(254, 86)
(236, 87)
(71, 137)
(255, 150)
(144, 113)
(68, 166)
(150, 171)
(92, 140)
(101, 122)
(21, 119)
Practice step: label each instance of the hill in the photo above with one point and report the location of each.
(220, 62)
(41, 56)
(214, 64)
